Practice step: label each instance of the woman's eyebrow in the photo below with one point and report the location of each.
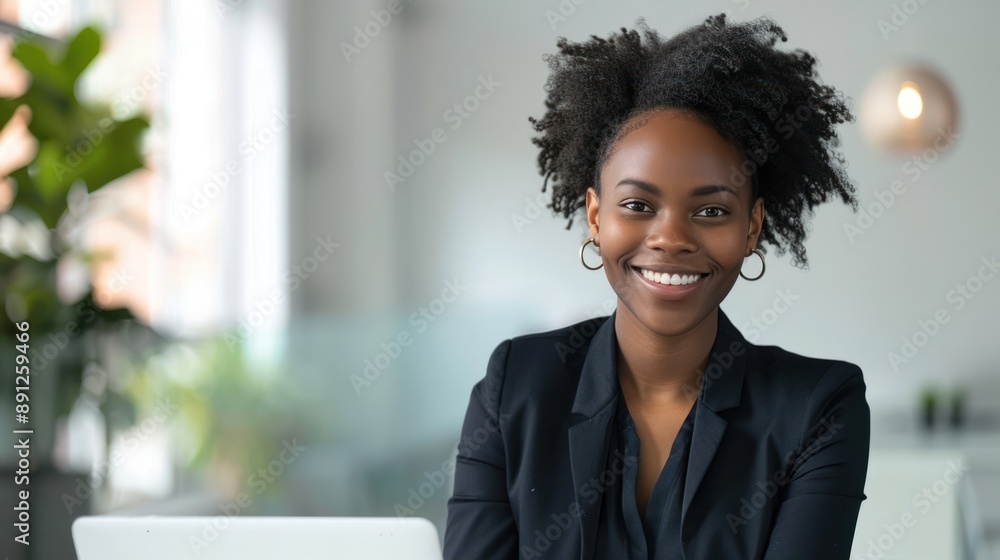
(697, 191)
(712, 189)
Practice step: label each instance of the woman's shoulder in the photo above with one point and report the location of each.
(796, 375)
(795, 397)
(583, 330)
(537, 361)
(556, 345)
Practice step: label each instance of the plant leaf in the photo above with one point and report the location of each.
(80, 52)
(44, 74)
(116, 155)
(52, 175)
(28, 197)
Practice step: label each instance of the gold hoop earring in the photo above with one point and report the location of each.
(762, 266)
(584, 246)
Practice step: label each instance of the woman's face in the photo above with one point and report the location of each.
(673, 199)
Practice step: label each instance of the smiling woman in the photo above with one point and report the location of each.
(667, 434)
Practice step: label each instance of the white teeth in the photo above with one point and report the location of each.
(673, 280)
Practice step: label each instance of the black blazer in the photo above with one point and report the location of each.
(777, 468)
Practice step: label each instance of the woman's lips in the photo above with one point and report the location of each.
(670, 292)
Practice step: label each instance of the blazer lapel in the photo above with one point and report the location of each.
(721, 387)
(589, 439)
(596, 400)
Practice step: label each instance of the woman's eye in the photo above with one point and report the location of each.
(720, 211)
(635, 205)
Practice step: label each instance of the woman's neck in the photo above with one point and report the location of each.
(658, 370)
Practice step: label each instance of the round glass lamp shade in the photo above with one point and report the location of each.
(908, 109)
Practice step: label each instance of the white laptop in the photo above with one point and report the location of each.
(223, 537)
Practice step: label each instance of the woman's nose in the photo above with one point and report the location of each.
(672, 234)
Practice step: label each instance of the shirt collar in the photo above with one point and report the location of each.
(722, 382)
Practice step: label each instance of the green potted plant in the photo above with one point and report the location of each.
(956, 402)
(928, 406)
(234, 417)
(81, 147)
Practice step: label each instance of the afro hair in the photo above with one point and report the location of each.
(766, 102)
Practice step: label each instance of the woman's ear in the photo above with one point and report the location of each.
(756, 223)
(593, 203)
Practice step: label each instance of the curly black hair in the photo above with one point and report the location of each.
(766, 102)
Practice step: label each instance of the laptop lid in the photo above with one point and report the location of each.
(223, 537)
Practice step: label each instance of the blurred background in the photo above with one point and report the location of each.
(262, 250)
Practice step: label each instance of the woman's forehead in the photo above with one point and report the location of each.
(674, 149)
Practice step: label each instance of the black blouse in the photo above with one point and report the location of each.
(621, 533)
